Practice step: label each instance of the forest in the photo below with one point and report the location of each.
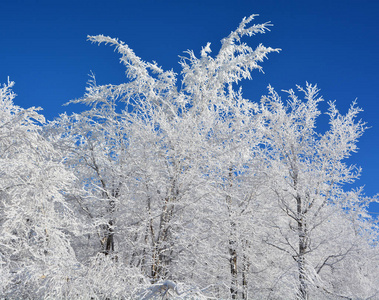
(174, 186)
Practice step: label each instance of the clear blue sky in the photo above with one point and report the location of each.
(332, 43)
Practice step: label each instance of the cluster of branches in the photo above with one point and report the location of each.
(194, 192)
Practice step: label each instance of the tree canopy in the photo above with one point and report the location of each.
(174, 186)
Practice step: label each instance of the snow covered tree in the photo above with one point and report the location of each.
(308, 172)
(35, 220)
(171, 187)
(179, 182)
(151, 142)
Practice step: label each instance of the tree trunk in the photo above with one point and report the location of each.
(108, 245)
(245, 271)
(303, 245)
(162, 255)
(109, 242)
(233, 268)
(232, 243)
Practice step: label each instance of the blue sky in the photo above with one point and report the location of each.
(332, 43)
